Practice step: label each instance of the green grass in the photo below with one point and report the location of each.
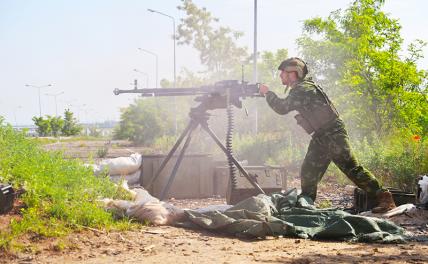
(60, 194)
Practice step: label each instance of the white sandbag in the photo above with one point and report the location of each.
(94, 167)
(121, 165)
(132, 179)
(157, 213)
(423, 185)
(407, 215)
(146, 208)
(404, 208)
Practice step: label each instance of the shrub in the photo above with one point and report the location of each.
(141, 123)
(261, 148)
(397, 160)
(56, 126)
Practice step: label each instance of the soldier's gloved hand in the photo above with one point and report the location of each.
(263, 89)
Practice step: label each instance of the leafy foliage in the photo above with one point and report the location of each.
(141, 122)
(216, 44)
(60, 194)
(70, 127)
(43, 126)
(397, 159)
(56, 126)
(356, 55)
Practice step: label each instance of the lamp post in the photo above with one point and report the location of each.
(156, 57)
(175, 76)
(39, 87)
(173, 36)
(55, 96)
(145, 74)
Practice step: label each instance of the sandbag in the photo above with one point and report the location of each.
(120, 165)
(146, 208)
(423, 187)
(132, 179)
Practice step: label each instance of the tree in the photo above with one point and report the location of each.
(43, 126)
(56, 124)
(356, 55)
(141, 122)
(216, 45)
(70, 127)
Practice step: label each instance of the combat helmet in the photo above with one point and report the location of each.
(294, 64)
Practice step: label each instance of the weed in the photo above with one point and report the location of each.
(102, 152)
(60, 194)
(325, 204)
(59, 246)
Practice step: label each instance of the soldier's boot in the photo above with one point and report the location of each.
(385, 202)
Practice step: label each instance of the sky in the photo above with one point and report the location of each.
(85, 49)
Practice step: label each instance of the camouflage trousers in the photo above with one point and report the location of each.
(334, 146)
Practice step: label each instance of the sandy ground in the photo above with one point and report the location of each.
(177, 245)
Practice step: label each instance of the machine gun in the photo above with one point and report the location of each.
(221, 95)
(236, 90)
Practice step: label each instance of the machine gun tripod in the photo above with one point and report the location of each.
(222, 95)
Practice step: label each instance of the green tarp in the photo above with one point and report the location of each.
(293, 216)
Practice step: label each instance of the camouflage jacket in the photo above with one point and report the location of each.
(305, 98)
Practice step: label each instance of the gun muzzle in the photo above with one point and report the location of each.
(116, 91)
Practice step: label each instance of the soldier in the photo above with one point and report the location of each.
(330, 141)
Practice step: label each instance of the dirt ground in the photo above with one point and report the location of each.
(167, 244)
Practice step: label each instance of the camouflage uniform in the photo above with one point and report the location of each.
(329, 143)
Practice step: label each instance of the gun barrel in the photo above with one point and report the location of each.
(244, 90)
(149, 92)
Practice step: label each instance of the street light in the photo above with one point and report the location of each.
(175, 76)
(39, 87)
(145, 74)
(173, 34)
(156, 56)
(55, 96)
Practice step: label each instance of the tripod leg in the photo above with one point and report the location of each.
(240, 168)
(177, 163)
(171, 152)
